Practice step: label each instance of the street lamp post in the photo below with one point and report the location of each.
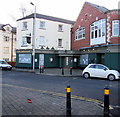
(33, 36)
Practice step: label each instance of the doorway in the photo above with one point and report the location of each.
(101, 58)
(67, 62)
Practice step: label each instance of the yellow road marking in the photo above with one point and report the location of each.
(100, 103)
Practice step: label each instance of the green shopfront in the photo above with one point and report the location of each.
(108, 55)
(47, 58)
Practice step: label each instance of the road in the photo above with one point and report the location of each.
(89, 88)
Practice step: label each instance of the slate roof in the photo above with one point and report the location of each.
(100, 8)
(40, 16)
(13, 28)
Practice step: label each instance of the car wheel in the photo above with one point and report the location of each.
(86, 75)
(111, 77)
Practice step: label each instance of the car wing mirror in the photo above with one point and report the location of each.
(105, 69)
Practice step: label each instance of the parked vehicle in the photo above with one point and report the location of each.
(5, 65)
(100, 71)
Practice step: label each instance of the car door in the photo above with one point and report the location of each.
(100, 71)
(91, 70)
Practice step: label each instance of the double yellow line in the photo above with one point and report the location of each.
(100, 103)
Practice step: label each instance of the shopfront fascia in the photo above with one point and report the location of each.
(47, 58)
(104, 54)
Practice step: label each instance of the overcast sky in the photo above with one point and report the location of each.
(10, 10)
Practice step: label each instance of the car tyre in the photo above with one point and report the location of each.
(111, 77)
(86, 75)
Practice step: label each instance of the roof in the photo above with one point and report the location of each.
(13, 28)
(40, 16)
(1, 26)
(100, 8)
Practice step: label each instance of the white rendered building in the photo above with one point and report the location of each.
(7, 42)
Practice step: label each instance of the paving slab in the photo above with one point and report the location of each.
(14, 102)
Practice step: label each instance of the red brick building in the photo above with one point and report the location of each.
(96, 34)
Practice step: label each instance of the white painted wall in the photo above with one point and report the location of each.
(7, 44)
(1, 45)
(50, 32)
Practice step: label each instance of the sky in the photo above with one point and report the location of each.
(10, 10)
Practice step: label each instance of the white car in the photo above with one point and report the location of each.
(100, 71)
(5, 65)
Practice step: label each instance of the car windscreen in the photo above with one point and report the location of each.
(3, 62)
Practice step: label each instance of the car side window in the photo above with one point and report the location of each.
(92, 66)
(100, 67)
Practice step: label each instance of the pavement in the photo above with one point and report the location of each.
(30, 102)
(54, 71)
(15, 102)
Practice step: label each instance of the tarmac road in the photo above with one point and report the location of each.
(89, 88)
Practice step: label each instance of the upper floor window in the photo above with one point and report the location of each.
(24, 41)
(98, 29)
(60, 28)
(59, 42)
(6, 38)
(80, 33)
(25, 26)
(115, 27)
(42, 41)
(42, 24)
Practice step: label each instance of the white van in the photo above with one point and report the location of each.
(5, 65)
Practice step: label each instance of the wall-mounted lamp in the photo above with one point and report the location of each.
(51, 59)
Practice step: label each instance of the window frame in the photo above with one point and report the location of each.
(25, 25)
(60, 28)
(24, 41)
(60, 41)
(6, 38)
(98, 29)
(42, 25)
(115, 25)
(42, 42)
(80, 33)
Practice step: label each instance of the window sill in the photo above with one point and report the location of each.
(43, 28)
(24, 29)
(60, 47)
(79, 39)
(24, 45)
(116, 36)
(60, 31)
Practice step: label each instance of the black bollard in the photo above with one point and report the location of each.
(62, 71)
(68, 101)
(70, 70)
(41, 69)
(106, 101)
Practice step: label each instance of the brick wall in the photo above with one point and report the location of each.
(114, 15)
(87, 16)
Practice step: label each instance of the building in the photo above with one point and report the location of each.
(7, 42)
(96, 35)
(52, 42)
